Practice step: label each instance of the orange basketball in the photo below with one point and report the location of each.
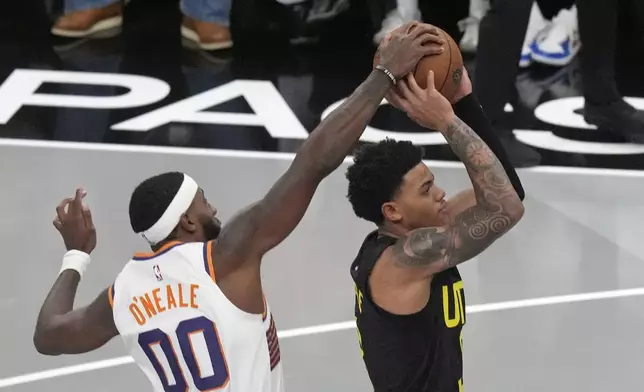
(447, 67)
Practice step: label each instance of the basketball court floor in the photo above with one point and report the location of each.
(556, 305)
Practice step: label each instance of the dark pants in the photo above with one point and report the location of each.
(598, 33)
(501, 36)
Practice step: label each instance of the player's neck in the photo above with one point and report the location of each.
(392, 230)
(179, 239)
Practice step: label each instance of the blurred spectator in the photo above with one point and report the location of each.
(470, 25)
(503, 34)
(408, 10)
(405, 11)
(205, 22)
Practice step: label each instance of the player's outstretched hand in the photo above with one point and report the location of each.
(74, 222)
(427, 107)
(402, 48)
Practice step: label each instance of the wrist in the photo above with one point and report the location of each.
(75, 260)
(466, 104)
(445, 122)
(385, 71)
(460, 98)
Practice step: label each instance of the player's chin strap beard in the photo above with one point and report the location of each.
(172, 215)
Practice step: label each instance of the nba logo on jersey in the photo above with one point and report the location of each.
(157, 272)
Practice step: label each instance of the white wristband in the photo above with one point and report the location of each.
(75, 260)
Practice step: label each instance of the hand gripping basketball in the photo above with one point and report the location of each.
(401, 50)
(427, 107)
(447, 65)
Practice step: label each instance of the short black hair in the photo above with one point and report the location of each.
(151, 198)
(377, 173)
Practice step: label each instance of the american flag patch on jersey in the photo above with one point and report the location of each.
(273, 344)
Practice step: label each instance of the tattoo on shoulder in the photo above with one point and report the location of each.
(472, 231)
(422, 247)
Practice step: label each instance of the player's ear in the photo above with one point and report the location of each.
(188, 222)
(391, 212)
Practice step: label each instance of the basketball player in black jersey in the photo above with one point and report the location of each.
(410, 303)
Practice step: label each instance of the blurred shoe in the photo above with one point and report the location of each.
(470, 25)
(205, 35)
(392, 21)
(92, 23)
(559, 45)
(520, 155)
(618, 117)
(536, 26)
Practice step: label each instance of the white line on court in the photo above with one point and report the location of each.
(326, 328)
(194, 151)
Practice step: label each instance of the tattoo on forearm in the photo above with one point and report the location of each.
(497, 209)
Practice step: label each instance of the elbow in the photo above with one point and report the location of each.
(43, 344)
(516, 211)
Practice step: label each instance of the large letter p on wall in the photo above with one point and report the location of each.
(19, 90)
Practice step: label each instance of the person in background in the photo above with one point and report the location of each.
(405, 11)
(502, 36)
(469, 26)
(205, 22)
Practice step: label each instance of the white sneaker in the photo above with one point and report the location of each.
(392, 21)
(560, 44)
(536, 25)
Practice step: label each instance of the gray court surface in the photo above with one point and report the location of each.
(583, 232)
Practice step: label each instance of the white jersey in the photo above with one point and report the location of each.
(184, 333)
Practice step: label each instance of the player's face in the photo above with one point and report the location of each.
(207, 217)
(420, 201)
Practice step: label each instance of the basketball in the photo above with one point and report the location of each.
(447, 67)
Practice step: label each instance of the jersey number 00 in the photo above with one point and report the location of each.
(184, 331)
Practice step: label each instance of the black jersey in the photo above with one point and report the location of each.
(421, 352)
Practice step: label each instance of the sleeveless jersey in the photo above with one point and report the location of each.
(421, 352)
(184, 333)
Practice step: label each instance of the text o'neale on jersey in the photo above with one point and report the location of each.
(155, 302)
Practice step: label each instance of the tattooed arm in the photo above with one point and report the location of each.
(498, 208)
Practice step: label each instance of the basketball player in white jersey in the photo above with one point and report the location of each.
(192, 313)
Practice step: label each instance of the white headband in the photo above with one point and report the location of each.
(172, 215)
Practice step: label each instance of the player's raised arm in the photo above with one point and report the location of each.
(497, 208)
(61, 329)
(268, 222)
(469, 110)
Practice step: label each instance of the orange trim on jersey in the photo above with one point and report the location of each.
(223, 355)
(164, 248)
(265, 312)
(209, 261)
(110, 295)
